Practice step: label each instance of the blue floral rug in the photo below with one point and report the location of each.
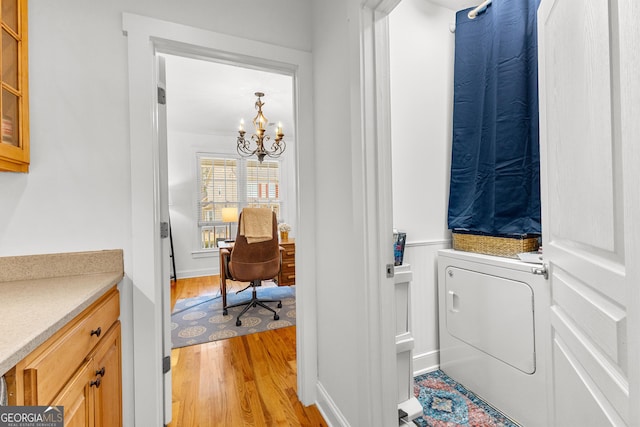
(200, 320)
(445, 403)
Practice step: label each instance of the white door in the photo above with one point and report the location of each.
(590, 209)
(163, 190)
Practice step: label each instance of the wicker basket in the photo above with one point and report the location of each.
(505, 246)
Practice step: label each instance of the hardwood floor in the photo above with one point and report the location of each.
(243, 381)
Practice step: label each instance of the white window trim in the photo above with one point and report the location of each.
(205, 253)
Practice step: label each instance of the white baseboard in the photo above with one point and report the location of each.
(327, 407)
(426, 362)
(188, 274)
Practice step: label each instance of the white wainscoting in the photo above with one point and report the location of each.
(422, 256)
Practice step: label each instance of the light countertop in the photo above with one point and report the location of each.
(36, 307)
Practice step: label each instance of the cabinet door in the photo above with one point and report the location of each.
(108, 368)
(76, 397)
(14, 111)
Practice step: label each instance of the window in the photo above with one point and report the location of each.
(263, 185)
(230, 182)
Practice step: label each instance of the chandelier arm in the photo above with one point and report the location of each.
(243, 147)
(275, 150)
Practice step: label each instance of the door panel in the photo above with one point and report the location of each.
(583, 212)
(603, 321)
(570, 343)
(577, 40)
(577, 395)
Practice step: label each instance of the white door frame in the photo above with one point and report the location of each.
(146, 37)
(376, 175)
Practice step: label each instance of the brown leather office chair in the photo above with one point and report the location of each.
(255, 262)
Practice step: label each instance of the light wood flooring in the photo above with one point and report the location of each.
(243, 381)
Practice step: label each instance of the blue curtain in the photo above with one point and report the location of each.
(495, 179)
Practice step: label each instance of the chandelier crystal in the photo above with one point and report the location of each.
(275, 150)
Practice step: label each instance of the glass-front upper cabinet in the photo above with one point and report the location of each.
(14, 100)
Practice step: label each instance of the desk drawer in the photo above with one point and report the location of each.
(287, 275)
(50, 369)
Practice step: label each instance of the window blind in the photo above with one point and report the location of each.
(231, 182)
(218, 185)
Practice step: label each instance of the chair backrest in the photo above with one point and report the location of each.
(255, 261)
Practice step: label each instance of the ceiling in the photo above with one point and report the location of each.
(206, 97)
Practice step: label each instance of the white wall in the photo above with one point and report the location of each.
(183, 148)
(421, 53)
(339, 265)
(334, 219)
(77, 196)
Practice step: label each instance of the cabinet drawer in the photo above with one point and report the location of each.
(288, 265)
(288, 269)
(62, 354)
(287, 277)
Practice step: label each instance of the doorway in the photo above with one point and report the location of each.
(205, 102)
(147, 38)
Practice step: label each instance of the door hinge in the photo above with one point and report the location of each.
(166, 364)
(164, 230)
(541, 271)
(162, 96)
(390, 271)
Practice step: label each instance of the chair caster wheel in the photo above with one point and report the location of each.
(279, 305)
(238, 322)
(225, 312)
(276, 317)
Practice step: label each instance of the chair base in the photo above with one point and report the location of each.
(253, 302)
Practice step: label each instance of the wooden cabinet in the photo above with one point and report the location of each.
(14, 99)
(287, 276)
(79, 368)
(107, 365)
(89, 398)
(75, 397)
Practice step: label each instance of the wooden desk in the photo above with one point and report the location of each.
(286, 276)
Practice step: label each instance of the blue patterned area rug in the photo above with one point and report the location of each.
(445, 403)
(200, 320)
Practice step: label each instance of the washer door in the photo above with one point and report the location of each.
(493, 314)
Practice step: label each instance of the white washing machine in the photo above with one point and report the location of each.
(494, 328)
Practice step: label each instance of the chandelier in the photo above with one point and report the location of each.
(260, 121)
